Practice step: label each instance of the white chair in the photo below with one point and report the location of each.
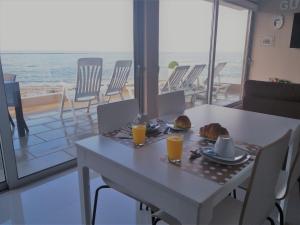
(288, 176)
(193, 75)
(9, 77)
(171, 103)
(89, 75)
(119, 79)
(260, 197)
(174, 81)
(111, 117)
(188, 84)
(117, 114)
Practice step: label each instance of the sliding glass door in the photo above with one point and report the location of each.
(184, 44)
(41, 43)
(230, 54)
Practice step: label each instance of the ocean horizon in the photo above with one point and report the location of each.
(51, 68)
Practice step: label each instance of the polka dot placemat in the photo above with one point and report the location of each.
(212, 171)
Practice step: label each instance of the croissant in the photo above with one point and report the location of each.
(213, 131)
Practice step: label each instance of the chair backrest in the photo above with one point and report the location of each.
(219, 67)
(89, 75)
(9, 77)
(119, 77)
(12, 91)
(171, 103)
(112, 116)
(192, 76)
(260, 197)
(175, 79)
(293, 161)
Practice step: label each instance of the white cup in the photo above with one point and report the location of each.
(224, 147)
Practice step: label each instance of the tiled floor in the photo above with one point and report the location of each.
(51, 139)
(55, 200)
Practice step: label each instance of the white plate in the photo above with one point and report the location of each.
(175, 128)
(240, 157)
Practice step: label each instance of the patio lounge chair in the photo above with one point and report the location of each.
(188, 84)
(8, 77)
(89, 75)
(220, 88)
(174, 81)
(119, 79)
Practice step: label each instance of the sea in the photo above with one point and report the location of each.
(52, 68)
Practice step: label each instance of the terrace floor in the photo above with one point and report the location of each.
(51, 139)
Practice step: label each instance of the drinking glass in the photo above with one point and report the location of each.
(139, 134)
(175, 148)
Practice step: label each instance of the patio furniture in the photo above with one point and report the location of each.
(272, 98)
(13, 96)
(119, 79)
(174, 81)
(89, 75)
(257, 206)
(10, 77)
(184, 195)
(288, 176)
(188, 83)
(112, 116)
(171, 103)
(189, 80)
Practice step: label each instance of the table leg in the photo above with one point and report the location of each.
(85, 198)
(20, 121)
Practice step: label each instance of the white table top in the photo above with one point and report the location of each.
(250, 127)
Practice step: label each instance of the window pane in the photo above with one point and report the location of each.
(41, 42)
(232, 30)
(185, 28)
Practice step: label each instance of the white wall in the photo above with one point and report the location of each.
(280, 60)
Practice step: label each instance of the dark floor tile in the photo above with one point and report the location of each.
(49, 147)
(27, 141)
(58, 133)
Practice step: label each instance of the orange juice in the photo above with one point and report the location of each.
(174, 147)
(139, 134)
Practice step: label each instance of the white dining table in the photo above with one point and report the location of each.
(189, 198)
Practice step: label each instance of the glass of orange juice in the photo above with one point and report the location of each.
(139, 134)
(175, 148)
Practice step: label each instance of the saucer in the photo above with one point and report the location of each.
(240, 156)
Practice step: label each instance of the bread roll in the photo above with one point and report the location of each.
(213, 131)
(182, 122)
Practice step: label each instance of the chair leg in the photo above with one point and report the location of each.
(96, 201)
(271, 221)
(72, 108)
(281, 216)
(234, 193)
(299, 184)
(62, 104)
(89, 106)
(141, 206)
(11, 120)
(155, 220)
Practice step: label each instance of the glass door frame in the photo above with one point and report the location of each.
(8, 154)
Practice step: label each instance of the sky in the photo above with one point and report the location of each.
(107, 25)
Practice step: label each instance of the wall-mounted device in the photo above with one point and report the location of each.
(295, 40)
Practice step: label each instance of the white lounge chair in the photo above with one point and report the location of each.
(119, 79)
(174, 81)
(89, 75)
(188, 84)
